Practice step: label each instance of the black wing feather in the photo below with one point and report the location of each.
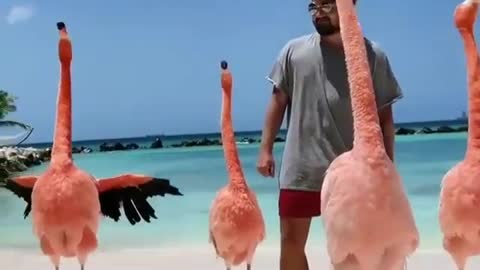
(134, 200)
(144, 209)
(110, 204)
(130, 210)
(22, 192)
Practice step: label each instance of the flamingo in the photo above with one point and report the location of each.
(367, 217)
(66, 201)
(236, 220)
(459, 215)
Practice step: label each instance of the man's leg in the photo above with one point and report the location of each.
(296, 209)
(294, 235)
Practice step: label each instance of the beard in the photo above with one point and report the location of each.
(325, 27)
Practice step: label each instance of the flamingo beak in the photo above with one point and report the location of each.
(65, 47)
(225, 80)
(62, 28)
(224, 64)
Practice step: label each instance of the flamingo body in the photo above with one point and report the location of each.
(236, 225)
(65, 203)
(459, 214)
(366, 214)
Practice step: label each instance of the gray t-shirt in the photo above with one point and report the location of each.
(319, 116)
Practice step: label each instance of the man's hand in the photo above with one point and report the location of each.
(266, 164)
(273, 121)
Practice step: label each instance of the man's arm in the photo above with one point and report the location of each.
(273, 119)
(282, 92)
(388, 92)
(280, 78)
(388, 130)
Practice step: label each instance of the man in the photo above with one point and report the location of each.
(310, 80)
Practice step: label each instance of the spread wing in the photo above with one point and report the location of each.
(22, 186)
(131, 192)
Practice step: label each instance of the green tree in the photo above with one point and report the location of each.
(7, 105)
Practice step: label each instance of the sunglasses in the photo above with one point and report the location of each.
(324, 7)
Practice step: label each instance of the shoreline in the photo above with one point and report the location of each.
(160, 142)
(201, 257)
(15, 160)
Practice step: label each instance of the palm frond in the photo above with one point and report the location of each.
(11, 123)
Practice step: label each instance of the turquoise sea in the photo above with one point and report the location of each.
(200, 172)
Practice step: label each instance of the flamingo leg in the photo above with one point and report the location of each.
(251, 252)
(87, 245)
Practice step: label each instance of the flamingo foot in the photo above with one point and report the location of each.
(82, 267)
(55, 259)
(249, 266)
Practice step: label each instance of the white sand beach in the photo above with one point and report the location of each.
(185, 258)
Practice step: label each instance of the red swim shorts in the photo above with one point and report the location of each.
(299, 203)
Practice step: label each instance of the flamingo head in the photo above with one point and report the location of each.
(64, 45)
(466, 14)
(227, 79)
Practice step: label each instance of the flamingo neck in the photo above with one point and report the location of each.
(234, 168)
(366, 124)
(62, 142)
(473, 71)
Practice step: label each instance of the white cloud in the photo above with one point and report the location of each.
(19, 14)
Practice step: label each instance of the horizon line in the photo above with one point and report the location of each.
(239, 131)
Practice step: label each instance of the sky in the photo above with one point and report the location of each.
(151, 67)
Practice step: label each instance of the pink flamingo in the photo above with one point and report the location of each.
(459, 213)
(236, 221)
(65, 201)
(368, 220)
